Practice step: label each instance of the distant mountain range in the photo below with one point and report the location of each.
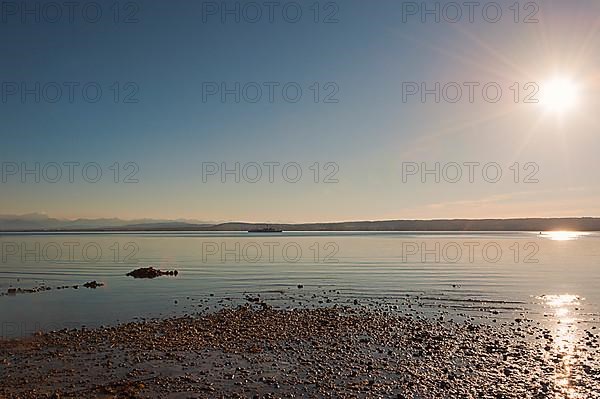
(40, 222)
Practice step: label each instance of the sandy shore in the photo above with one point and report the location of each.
(329, 352)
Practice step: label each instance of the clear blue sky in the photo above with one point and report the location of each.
(176, 47)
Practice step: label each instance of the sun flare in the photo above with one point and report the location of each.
(559, 94)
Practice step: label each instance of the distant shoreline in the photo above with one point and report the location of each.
(587, 224)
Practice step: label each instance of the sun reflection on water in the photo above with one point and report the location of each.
(565, 341)
(562, 235)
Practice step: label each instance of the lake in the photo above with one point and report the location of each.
(549, 277)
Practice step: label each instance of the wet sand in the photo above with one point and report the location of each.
(257, 351)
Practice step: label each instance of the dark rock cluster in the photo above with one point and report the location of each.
(43, 288)
(150, 272)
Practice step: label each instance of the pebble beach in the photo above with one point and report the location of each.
(257, 351)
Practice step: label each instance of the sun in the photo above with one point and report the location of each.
(559, 94)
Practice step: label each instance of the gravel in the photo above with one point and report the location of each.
(256, 351)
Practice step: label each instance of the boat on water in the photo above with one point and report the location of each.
(266, 229)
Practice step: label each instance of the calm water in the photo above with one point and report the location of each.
(548, 277)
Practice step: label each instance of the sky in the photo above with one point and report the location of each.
(300, 111)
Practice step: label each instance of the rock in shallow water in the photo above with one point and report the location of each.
(150, 272)
(93, 284)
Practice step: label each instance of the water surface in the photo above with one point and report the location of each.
(548, 277)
